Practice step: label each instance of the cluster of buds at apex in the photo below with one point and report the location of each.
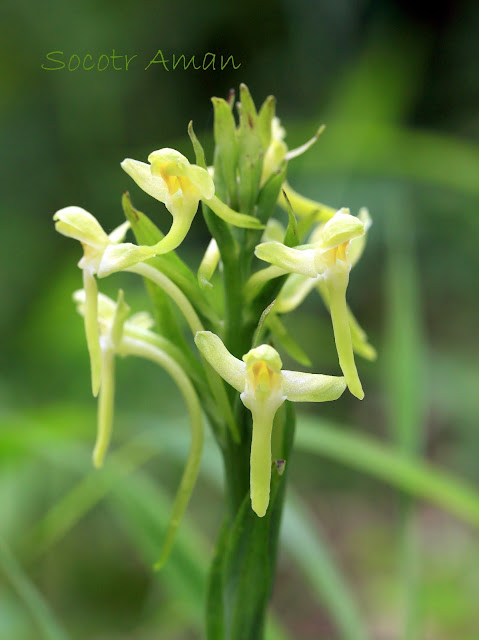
(327, 260)
(263, 387)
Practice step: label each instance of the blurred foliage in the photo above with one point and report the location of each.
(398, 89)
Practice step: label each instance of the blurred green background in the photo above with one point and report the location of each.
(398, 88)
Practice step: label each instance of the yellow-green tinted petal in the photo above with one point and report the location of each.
(342, 228)
(118, 257)
(118, 234)
(337, 284)
(312, 387)
(359, 337)
(76, 223)
(356, 246)
(304, 207)
(208, 264)
(292, 260)
(233, 217)
(167, 156)
(201, 179)
(294, 291)
(141, 320)
(141, 174)
(274, 231)
(223, 362)
(264, 353)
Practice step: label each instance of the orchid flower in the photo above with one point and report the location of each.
(328, 261)
(76, 223)
(297, 287)
(264, 386)
(170, 178)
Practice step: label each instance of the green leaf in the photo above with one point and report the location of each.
(307, 546)
(39, 610)
(415, 477)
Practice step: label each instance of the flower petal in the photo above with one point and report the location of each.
(311, 387)
(118, 257)
(292, 260)
(141, 173)
(229, 368)
(356, 246)
(119, 233)
(76, 223)
(341, 228)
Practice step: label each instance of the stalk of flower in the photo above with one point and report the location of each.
(171, 179)
(123, 336)
(76, 223)
(263, 387)
(328, 261)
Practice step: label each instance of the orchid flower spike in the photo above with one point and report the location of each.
(76, 223)
(264, 386)
(327, 260)
(170, 178)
